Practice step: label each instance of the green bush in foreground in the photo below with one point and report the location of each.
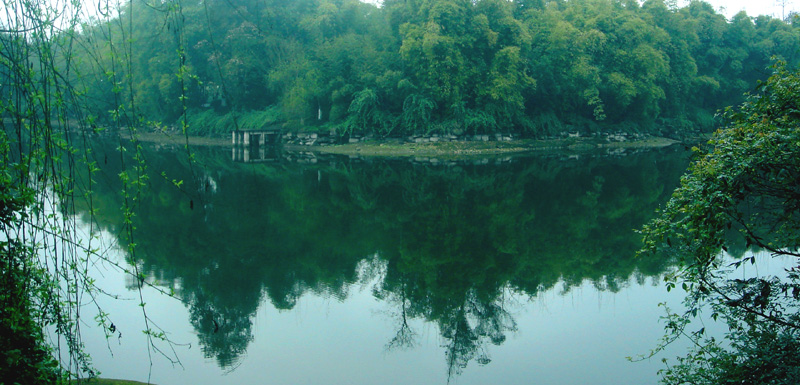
(25, 358)
(742, 193)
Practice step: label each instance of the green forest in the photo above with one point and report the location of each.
(534, 68)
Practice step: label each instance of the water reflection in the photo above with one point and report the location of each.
(444, 244)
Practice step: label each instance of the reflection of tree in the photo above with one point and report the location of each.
(466, 324)
(224, 333)
(456, 235)
(405, 336)
(463, 235)
(452, 239)
(468, 329)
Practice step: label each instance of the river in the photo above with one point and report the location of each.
(334, 270)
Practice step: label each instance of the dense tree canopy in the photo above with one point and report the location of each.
(434, 66)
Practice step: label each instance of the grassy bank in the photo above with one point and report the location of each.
(105, 381)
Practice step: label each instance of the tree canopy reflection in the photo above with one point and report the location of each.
(451, 241)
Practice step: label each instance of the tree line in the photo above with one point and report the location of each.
(530, 67)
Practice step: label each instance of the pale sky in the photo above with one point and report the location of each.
(775, 8)
(732, 7)
(752, 7)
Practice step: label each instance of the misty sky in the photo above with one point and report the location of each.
(753, 7)
(732, 7)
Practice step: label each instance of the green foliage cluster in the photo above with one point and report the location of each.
(26, 357)
(741, 191)
(45, 255)
(436, 66)
(209, 123)
(40, 284)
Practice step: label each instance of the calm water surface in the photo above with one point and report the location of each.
(348, 271)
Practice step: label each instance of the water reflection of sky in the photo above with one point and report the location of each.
(578, 337)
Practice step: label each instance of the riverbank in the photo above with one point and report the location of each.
(444, 150)
(461, 149)
(177, 139)
(104, 381)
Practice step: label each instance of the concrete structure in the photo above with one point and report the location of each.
(255, 146)
(256, 138)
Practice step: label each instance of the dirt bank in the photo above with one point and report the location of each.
(397, 148)
(444, 150)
